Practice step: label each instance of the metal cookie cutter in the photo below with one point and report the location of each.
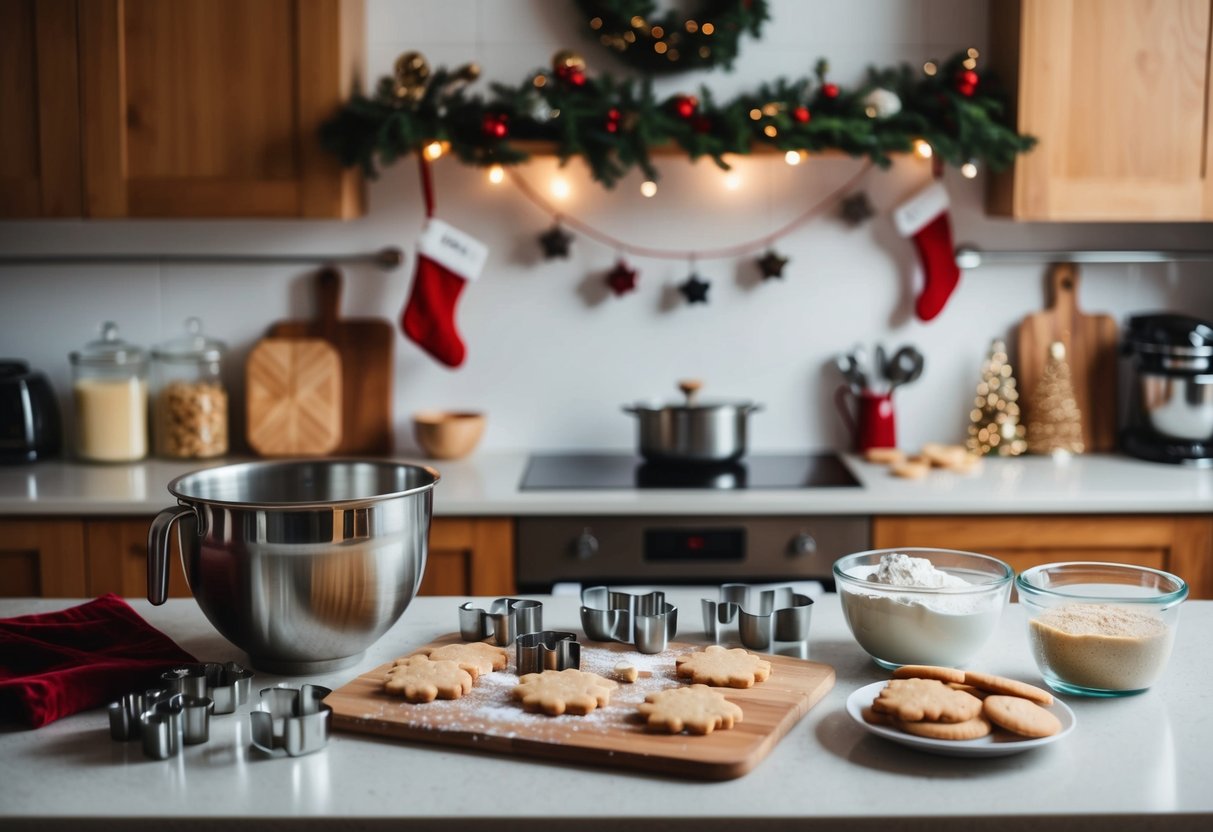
(291, 721)
(780, 614)
(173, 720)
(646, 621)
(546, 650)
(505, 620)
(226, 684)
(125, 713)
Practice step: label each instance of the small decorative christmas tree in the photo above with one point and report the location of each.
(1056, 423)
(995, 428)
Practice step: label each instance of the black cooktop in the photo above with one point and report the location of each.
(571, 471)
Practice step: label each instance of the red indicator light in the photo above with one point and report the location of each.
(696, 543)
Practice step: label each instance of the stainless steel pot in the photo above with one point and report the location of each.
(709, 432)
(302, 564)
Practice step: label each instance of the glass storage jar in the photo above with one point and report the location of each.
(109, 389)
(190, 410)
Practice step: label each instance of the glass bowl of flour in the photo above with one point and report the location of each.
(922, 606)
(1100, 629)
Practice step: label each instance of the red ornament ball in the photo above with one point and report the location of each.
(686, 105)
(801, 115)
(577, 78)
(829, 90)
(495, 125)
(966, 82)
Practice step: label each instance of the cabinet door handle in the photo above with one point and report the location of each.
(158, 550)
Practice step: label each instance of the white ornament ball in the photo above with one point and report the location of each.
(883, 103)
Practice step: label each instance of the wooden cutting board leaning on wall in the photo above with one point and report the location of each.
(293, 397)
(1091, 350)
(364, 346)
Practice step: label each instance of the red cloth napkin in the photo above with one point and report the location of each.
(57, 663)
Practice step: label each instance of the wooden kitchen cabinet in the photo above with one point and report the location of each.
(191, 108)
(1118, 93)
(1182, 544)
(42, 558)
(470, 557)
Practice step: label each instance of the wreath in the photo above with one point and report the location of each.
(702, 38)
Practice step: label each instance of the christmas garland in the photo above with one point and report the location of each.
(702, 38)
(946, 109)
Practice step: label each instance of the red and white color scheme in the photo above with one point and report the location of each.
(924, 217)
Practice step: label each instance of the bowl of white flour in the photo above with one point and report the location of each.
(922, 606)
(1100, 629)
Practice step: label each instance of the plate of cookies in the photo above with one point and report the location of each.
(960, 713)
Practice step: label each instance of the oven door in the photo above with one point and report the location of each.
(683, 549)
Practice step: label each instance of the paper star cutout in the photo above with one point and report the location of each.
(772, 265)
(555, 242)
(857, 209)
(621, 279)
(695, 290)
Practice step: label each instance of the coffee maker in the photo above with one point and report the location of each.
(1170, 412)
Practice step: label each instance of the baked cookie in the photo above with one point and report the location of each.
(1010, 687)
(722, 667)
(910, 470)
(926, 671)
(697, 709)
(916, 700)
(419, 679)
(1019, 716)
(476, 658)
(884, 456)
(570, 691)
(970, 729)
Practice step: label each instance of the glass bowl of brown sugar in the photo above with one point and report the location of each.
(1100, 629)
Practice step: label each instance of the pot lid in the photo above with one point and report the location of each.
(109, 350)
(1167, 332)
(690, 389)
(193, 347)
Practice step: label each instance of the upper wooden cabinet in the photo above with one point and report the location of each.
(1118, 92)
(189, 108)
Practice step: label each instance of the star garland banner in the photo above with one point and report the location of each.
(700, 37)
(947, 110)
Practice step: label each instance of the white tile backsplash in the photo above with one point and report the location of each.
(551, 357)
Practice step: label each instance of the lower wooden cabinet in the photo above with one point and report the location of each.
(1181, 544)
(77, 558)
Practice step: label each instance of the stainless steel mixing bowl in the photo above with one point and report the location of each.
(301, 564)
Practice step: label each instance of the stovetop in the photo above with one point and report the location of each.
(574, 471)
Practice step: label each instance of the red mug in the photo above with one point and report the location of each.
(874, 427)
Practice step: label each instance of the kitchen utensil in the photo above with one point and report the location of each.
(109, 388)
(190, 681)
(446, 434)
(160, 728)
(302, 564)
(763, 615)
(1090, 342)
(190, 400)
(850, 371)
(292, 721)
(1170, 416)
(124, 714)
(992, 745)
(227, 685)
(873, 425)
(483, 720)
(882, 363)
(293, 397)
(30, 428)
(645, 620)
(365, 348)
(503, 621)
(546, 650)
(905, 367)
(692, 431)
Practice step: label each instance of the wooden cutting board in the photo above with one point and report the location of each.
(487, 719)
(365, 347)
(1091, 349)
(293, 397)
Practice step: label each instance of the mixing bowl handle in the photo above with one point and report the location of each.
(157, 552)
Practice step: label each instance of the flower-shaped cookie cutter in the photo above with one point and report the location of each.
(172, 720)
(764, 615)
(546, 650)
(644, 620)
(503, 621)
(291, 721)
(226, 684)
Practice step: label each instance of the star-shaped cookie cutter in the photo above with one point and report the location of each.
(291, 721)
(546, 650)
(503, 621)
(763, 615)
(644, 620)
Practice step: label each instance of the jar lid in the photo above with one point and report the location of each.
(109, 350)
(193, 347)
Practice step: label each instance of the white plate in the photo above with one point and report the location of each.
(997, 744)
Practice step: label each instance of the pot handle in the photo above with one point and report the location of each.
(157, 552)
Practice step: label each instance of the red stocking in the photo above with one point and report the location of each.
(446, 260)
(925, 218)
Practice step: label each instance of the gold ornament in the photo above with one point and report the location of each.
(994, 427)
(568, 61)
(467, 73)
(1055, 423)
(412, 74)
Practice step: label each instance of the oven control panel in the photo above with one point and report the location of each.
(683, 549)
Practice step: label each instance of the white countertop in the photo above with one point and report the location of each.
(487, 485)
(1138, 762)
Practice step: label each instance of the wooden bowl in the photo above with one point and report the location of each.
(446, 434)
